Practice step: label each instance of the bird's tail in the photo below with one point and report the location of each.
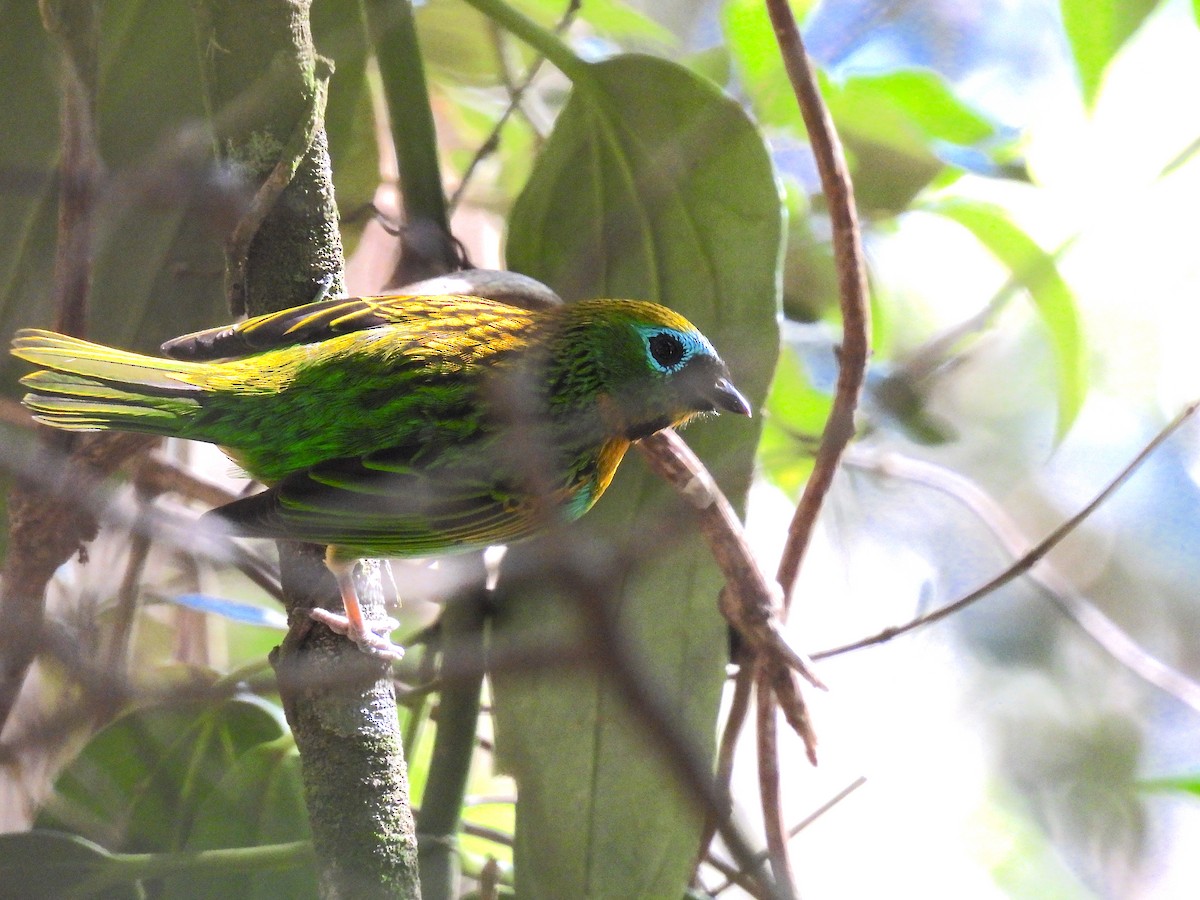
(90, 387)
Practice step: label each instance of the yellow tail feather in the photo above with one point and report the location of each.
(79, 357)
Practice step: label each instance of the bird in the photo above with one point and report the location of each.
(400, 425)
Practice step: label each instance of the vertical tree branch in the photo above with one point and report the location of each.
(264, 90)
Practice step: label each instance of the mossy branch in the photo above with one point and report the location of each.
(264, 88)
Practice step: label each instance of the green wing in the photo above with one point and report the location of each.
(377, 507)
(314, 322)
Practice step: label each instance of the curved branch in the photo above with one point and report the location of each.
(852, 289)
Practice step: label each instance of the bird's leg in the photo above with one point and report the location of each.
(371, 637)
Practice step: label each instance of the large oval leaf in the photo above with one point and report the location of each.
(139, 782)
(259, 801)
(652, 185)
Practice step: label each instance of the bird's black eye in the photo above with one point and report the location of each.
(666, 349)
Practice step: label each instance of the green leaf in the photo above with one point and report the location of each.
(139, 782)
(667, 195)
(795, 411)
(41, 865)
(1096, 30)
(893, 125)
(1037, 271)
(457, 43)
(460, 44)
(28, 154)
(610, 18)
(751, 41)
(496, 816)
(1187, 783)
(907, 109)
(810, 285)
(259, 801)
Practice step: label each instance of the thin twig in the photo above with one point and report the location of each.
(769, 786)
(47, 524)
(1030, 559)
(43, 534)
(489, 880)
(156, 475)
(852, 289)
(735, 876)
(1106, 633)
(752, 598)
(739, 705)
(75, 26)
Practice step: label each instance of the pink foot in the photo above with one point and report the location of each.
(371, 637)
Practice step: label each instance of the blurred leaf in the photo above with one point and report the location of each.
(458, 43)
(233, 610)
(259, 801)
(755, 52)
(894, 125)
(1187, 783)
(666, 195)
(712, 63)
(47, 865)
(138, 783)
(157, 242)
(1035, 270)
(28, 155)
(899, 128)
(796, 410)
(810, 285)
(619, 21)
(907, 109)
(893, 398)
(1096, 30)
(497, 816)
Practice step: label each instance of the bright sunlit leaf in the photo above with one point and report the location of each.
(1037, 271)
(667, 195)
(1096, 30)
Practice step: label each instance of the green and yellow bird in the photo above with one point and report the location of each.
(400, 425)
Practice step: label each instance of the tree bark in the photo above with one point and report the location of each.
(265, 93)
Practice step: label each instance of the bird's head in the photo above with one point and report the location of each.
(649, 367)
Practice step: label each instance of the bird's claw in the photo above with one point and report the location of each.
(371, 639)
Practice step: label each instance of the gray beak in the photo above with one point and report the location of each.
(729, 399)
